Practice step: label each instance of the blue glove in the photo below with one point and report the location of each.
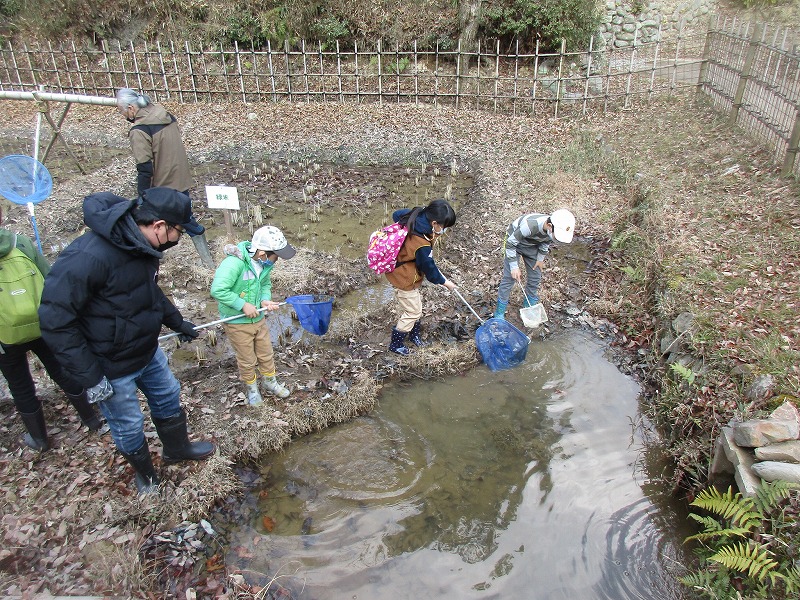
(101, 391)
(187, 332)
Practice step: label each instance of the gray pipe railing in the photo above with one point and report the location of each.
(51, 97)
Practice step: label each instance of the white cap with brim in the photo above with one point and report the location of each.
(271, 239)
(563, 225)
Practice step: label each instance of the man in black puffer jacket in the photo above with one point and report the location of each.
(101, 314)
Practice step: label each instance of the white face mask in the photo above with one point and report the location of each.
(442, 231)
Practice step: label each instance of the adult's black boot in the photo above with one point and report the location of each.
(36, 437)
(174, 437)
(146, 479)
(87, 412)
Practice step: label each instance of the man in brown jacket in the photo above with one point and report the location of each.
(158, 151)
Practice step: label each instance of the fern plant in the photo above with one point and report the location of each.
(738, 544)
(686, 373)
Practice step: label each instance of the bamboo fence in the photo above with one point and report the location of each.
(484, 78)
(752, 72)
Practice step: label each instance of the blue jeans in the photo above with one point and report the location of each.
(123, 411)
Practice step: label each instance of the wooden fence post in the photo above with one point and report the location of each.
(358, 85)
(478, 79)
(238, 68)
(339, 70)
(793, 147)
(380, 73)
(703, 76)
(305, 69)
(559, 91)
(458, 74)
(288, 69)
(163, 70)
(496, 73)
(271, 71)
(416, 75)
(516, 77)
(322, 70)
(746, 69)
(535, 77)
(397, 67)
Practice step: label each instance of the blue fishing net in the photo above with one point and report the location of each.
(24, 179)
(314, 312)
(502, 346)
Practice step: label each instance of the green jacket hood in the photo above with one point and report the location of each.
(6, 241)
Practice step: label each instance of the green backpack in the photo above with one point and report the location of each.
(21, 286)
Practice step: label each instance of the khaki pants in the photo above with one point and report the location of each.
(410, 304)
(253, 349)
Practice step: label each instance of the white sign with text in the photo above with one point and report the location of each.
(220, 196)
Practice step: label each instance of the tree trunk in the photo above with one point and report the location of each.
(469, 12)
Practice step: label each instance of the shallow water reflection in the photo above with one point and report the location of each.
(515, 484)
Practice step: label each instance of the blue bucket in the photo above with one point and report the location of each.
(502, 346)
(313, 312)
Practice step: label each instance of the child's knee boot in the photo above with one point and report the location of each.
(397, 345)
(273, 386)
(415, 338)
(500, 311)
(530, 301)
(253, 395)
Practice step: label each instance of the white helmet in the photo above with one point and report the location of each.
(271, 239)
(563, 225)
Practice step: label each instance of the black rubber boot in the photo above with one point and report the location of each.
(415, 338)
(36, 437)
(146, 479)
(87, 412)
(397, 345)
(174, 437)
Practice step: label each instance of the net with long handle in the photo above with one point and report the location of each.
(24, 180)
(501, 345)
(313, 311)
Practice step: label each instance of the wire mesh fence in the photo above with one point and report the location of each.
(750, 71)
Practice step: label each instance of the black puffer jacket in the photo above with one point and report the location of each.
(102, 309)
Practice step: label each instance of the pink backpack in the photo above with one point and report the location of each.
(385, 244)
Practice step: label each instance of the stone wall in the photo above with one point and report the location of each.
(624, 20)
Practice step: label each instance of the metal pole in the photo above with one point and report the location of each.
(217, 322)
(51, 97)
(457, 293)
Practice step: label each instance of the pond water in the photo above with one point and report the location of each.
(330, 208)
(531, 483)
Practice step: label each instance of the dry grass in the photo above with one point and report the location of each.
(214, 479)
(295, 274)
(121, 565)
(439, 360)
(308, 416)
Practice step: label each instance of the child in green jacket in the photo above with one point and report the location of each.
(242, 285)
